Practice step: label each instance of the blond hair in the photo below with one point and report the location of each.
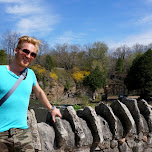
(27, 39)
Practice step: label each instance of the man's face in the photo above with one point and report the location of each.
(25, 55)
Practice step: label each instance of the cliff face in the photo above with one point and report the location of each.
(120, 127)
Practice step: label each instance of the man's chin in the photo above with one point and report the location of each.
(25, 65)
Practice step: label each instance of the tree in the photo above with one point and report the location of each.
(9, 41)
(61, 55)
(119, 65)
(3, 56)
(122, 52)
(49, 65)
(139, 76)
(98, 51)
(44, 49)
(96, 79)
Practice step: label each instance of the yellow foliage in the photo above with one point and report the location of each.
(75, 69)
(78, 76)
(39, 70)
(53, 76)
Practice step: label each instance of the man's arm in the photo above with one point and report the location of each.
(42, 97)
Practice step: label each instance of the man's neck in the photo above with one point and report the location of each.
(15, 68)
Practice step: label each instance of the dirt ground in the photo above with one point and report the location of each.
(116, 97)
(73, 101)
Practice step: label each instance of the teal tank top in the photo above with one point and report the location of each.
(13, 112)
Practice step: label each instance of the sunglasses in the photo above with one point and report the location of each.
(27, 52)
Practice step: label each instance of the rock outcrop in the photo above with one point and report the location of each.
(124, 126)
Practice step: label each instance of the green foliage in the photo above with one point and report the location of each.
(63, 76)
(119, 65)
(95, 80)
(67, 85)
(98, 50)
(77, 107)
(49, 65)
(3, 56)
(140, 75)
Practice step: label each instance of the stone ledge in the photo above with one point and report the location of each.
(107, 128)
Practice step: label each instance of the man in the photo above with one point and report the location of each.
(14, 133)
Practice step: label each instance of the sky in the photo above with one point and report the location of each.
(114, 22)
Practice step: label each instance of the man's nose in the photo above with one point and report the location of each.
(28, 55)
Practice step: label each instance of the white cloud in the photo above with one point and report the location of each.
(70, 37)
(10, 1)
(30, 16)
(20, 9)
(143, 38)
(149, 1)
(36, 24)
(145, 20)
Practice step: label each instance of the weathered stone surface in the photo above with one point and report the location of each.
(114, 150)
(105, 145)
(139, 147)
(81, 150)
(61, 137)
(88, 135)
(95, 125)
(32, 123)
(146, 111)
(120, 129)
(122, 112)
(106, 112)
(60, 132)
(147, 150)
(135, 112)
(124, 148)
(149, 140)
(47, 134)
(145, 127)
(71, 136)
(121, 141)
(113, 144)
(107, 135)
(71, 116)
(131, 143)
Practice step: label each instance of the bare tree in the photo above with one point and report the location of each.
(44, 50)
(8, 42)
(122, 52)
(139, 48)
(61, 55)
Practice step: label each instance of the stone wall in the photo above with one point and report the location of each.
(124, 126)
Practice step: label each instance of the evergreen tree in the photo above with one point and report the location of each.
(49, 65)
(140, 75)
(119, 65)
(96, 79)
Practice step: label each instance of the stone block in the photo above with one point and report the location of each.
(71, 116)
(135, 112)
(106, 112)
(61, 135)
(88, 135)
(94, 122)
(146, 111)
(107, 135)
(124, 148)
(32, 123)
(47, 134)
(124, 115)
